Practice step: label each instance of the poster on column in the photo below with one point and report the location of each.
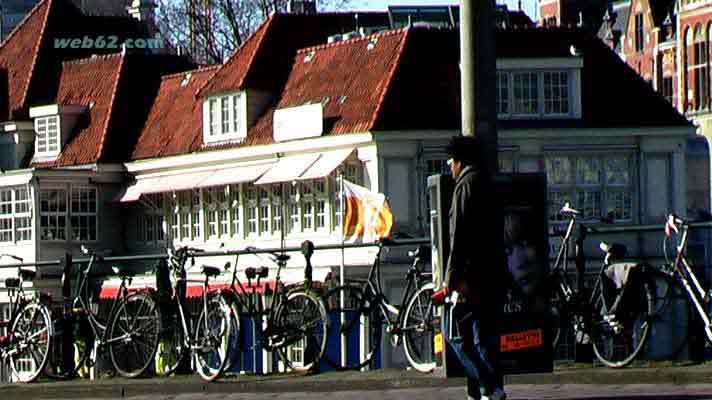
(523, 316)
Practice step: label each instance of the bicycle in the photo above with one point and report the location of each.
(295, 320)
(614, 314)
(26, 346)
(362, 306)
(129, 334)
(681, 271)
(207, 340)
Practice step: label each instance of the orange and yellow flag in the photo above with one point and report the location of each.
(368, 216)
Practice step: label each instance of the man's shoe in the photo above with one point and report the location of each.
(498, 394)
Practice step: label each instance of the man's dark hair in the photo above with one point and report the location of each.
(464, 149)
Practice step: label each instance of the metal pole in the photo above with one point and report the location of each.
(478, 74)
(342, 317)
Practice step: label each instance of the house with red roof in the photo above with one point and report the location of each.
(134, 151)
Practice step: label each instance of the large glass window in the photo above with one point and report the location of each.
(534, 93)
(597, 185)
(53, 214)
(78, 219)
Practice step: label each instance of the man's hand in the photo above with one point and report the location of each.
(438, 297)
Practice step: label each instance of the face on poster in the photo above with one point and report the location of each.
(526, 251)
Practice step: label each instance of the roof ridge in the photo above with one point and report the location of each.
(112, 103)
(191, 71)
(93, 57)
(264, 26)
(389, 82)
(22, 22)
(36, 51)
(351, 41)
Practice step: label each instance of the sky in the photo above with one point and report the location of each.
(528, 5)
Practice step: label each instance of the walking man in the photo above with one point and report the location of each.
(473, 271)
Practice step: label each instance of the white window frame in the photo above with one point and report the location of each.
(57, 213)
(44, 138)
(540, 67)
(77, 230)
(225, 118)
(68, 230)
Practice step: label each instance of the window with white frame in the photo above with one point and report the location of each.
(149, 223)
(264, 210)
(321, 198)
(277, 207)
(224, 118)
(556, 93)
(47, 136)
(251, 205)
(307, 203)
(502, 93)
(6, 215)
(83, 214)
(295, 217)
(597, 185)
(235, 211)
(68, 214)
(23, 215)
(526, 93)
(53, 214)
(542, 93)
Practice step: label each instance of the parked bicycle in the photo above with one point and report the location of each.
(615, 313)
(205, 339)
(293, 320)
(26, 346)
(362, 306)
(680, 270)
(129, 334)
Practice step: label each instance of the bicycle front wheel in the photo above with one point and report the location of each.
(619, 337)
(302, 325)
(30, 342)
(212, 338)
(133, 335)
(419, 330)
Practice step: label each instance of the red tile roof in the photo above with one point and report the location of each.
(18, 54)
(351, 79)
(91, 83)
(175, 121)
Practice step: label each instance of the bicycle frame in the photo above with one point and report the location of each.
(686, 274)
(374, 285)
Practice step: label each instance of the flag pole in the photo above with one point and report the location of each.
(341, 269)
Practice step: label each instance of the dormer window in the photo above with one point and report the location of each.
(224, 118)
(47, 136)
(550, 90)
(53, 128)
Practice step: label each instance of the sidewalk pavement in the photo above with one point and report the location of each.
(377, 380)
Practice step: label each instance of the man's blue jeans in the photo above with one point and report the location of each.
(477, 352)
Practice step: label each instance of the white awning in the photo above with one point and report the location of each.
(192, 180)
(161, 184)
(327, 163)
(230, 176)
(288, 168)
(14, 179)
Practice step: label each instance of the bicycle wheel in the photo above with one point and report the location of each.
(212, 337)
(418, 330)
(302, 325)
(171, 349)
(234, 335)
(618, 338)
(132, 335)
(352, 321)
(30, 344)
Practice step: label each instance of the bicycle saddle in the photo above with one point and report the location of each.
(12, 283)
(616, 250)
(123, 272)
(27, 274)
(210, 271)
(263, 272)
(250, 273)
(281, 258)
(423, 252)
